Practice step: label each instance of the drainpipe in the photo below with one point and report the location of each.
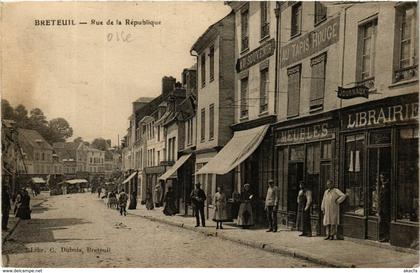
(196, 122)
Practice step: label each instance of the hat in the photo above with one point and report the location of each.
(198, 183)
(270, 181)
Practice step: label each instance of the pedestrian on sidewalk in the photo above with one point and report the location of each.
(123, 202)
(99, 192)
(245, 217)
(149, 200)
(5, 207)
(133, 200)
(170, 207)
(220, 212)
(23, 205)
(384, 208)
(271, 205)
(330, 207)
(158, 195)
(198, 197)
(304, 201)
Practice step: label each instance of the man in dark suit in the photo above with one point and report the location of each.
(198, 197)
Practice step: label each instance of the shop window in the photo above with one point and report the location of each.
(293, 91)
(407, 178)
(353, 173)
(264, 90)
(296, 19)
(317, 90)
(265, 23)
(313, 158)
(297, 152)
(366, 52)
(407, 42)
(326, 150)
(244, 98)
(320, 12)
(380, 137)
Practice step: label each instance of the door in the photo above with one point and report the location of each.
(294, 177)
(379, 203)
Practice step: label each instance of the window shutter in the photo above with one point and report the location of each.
(293, 91)
(317, 81)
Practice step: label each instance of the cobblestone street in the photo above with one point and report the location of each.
(77, 230)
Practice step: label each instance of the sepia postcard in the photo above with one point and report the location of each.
(219, 134)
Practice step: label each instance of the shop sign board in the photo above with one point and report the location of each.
(382, 115)
(302, 134)
(311, 43)
(256, 56)
(353, 92)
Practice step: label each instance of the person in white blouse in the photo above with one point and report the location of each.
(330, 207)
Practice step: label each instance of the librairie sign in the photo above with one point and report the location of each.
(312, 42)
(353, 92)
(256, 56)
(381, 116)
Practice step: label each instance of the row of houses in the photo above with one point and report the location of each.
(294, 92)
(27, 154)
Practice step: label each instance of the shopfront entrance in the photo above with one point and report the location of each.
(305, 153)
(379, 170)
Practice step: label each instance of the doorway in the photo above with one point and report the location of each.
(379, 201)
(294, 177)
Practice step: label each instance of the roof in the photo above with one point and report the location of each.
(66, 150)
(144, 99)
(33, 139)
(38, 180)
(74, 181)
(211, 30)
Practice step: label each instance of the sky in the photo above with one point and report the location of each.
(89, 74)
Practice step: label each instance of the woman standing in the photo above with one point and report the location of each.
(169, 208)
(23, 205)
(245, 218)
(133, 200)
(304, 201)
(149, 200)
(220, 212)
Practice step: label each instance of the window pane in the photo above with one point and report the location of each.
(293, 91)
(326, 150)
(297, 152)
(353, 174)
(244, 97)
(407, 176)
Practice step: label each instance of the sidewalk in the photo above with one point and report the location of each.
(336, 253)
(13, 221)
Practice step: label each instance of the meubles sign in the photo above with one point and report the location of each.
(312, 42)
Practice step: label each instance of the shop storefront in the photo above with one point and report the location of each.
(305, 152)
(379, 170)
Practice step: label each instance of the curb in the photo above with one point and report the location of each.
(266, 247)
(10, 231)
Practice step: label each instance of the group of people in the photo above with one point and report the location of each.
(22, 205)
(120, 200)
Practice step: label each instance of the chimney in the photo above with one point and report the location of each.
(168, 84)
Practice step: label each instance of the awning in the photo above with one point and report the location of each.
(175, 167)
(38, 180)
(130, 177)
(239, 148)
(74, 181)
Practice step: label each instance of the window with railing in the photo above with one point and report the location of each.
(296, 23)
(211, 121)
(366, 52)
(265, 23)
(407, 46)
(244, 98)
(244, 29)
(264, 80)
(211, 57)
(203, 124)
(203, 70)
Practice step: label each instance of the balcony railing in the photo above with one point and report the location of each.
(406, 73)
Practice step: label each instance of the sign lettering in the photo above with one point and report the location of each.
(256, 56)
(310, 43)
(302, 134)
(353, 92)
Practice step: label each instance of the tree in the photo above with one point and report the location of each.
(59, 130)
(21, 116)
(7, 111)
(78, 140)
(100, 144)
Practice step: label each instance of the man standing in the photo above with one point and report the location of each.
(271, 204)
(330, 206)
(5, 207)
(198, 197)
(123, 202)
(384, 208)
